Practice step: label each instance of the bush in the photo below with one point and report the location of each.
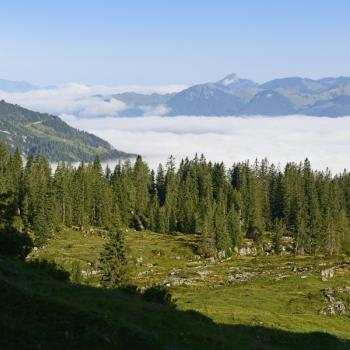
(15, 243)
(50, 268)
(159, 295)
(130, 289)
(76, 272)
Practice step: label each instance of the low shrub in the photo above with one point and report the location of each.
(76, 275)
(15, 243)
(160, 295)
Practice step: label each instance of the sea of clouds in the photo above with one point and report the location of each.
(82, 100)
(325, 141)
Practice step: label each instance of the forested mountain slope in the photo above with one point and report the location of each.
(38, 133)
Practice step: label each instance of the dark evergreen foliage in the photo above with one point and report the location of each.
(15, 243)
(113, 262)
(222, 206)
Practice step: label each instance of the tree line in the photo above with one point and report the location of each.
(222, 206)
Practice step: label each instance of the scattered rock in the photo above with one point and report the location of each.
(200, 266)
(89, 273)
(345, 290)
(267, 247)
(144, 273)
(248, 251)
(240, 277)
(334, 306)
(280, 277)
(177, 281)
(139, 260)
(302, 269)
(221, 254)
(173, 272)
(327, 273)
(157, 252)
(204, 273)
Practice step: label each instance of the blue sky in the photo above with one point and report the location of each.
(172, 42)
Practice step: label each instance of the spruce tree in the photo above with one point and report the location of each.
(207, 246)
(113, 261)
(255, 222)
(278, 232)
(234, 227)
(142, 188)
(313, 214)
(222, 236)
(171, 196)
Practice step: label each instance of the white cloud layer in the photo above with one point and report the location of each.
(81, 100)
(325, 141)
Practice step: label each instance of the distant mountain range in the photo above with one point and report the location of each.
(46, 134)
(235, 96)
(16, 86)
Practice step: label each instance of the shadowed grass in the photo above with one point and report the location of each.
(282, 293)
(39, 312)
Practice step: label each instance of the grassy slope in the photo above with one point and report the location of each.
(291, 304)
(38, 312)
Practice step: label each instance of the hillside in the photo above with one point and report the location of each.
(46, 134)
(263, 311)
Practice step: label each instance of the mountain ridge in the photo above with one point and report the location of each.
(41, 133)
(16, 86)
(235, 96)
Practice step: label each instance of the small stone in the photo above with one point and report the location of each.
(221, 254)
(327, 273)
(203, 273)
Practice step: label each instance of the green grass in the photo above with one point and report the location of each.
(264, 312)
(70, 246)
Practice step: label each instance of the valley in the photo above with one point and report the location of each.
(153, 199)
